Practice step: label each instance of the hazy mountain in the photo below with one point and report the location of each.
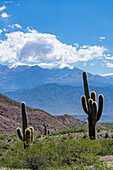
(25, 77)
(57, 99)
(109, 77)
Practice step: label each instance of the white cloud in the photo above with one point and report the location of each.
(92, 64)
(109, 74)
(110, 65)
(4, 29)
(76, 44)
(108, 55)
(2, 8)
(4, 15)
(90, 53)
(109, 58)
(85, 46)
(102, 38)
(52, 65)
(35, 47)
(16, 64)
(1, 31)
(15, 25)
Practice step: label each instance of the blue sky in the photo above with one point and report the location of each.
(58, 32)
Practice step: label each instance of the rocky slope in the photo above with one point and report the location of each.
(72, 122)
(10, 117)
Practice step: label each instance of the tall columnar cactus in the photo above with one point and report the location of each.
(26, 134)
(89, 105)
(45, 129)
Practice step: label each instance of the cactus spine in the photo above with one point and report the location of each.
(26, 134)
(89, 105)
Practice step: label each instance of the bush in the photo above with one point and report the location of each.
(56, 153)
(106, 135)
(67, 131)
(107, 147)
(52, 152)
(98, 130)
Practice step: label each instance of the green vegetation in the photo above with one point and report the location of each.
(67, 131)
(89, 105)
(55, 152)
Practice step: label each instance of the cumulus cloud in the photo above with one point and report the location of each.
(4, 29)
(102, 38)
(15, 25)
(2, 8)
(1, 31)
(76, 44)
(4, 15)
(110, 65)
(109, 58)
(92, 64)
(35, 47)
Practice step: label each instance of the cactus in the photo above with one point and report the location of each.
(26, 134)
(45, 129)
(89, 105)
(48, 131)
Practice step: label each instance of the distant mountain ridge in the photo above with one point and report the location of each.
(25, 77)
(57, 91)
(61, 99)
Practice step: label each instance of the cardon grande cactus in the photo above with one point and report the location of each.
(45, 129)
(26, 134)
(89, 105)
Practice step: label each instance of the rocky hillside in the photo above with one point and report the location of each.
(72, 122)
(10, 117)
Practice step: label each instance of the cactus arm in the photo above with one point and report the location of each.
(94, 112)
(100, 106)
(19, 132)
(86, 88)
(93, 96)
(24, 117)
(27, 138)
(89, 107)
(32, 132)
(83, 100)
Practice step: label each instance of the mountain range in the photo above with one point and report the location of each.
(57, 99)
(25, 77)
(57, 91)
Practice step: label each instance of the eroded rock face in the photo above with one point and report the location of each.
(10, 117)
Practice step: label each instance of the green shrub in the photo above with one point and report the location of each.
(55, 152)
(85, 136)
(106, 135)
(67, 131)
(3, 137)
(98, 130)
(107, 147)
